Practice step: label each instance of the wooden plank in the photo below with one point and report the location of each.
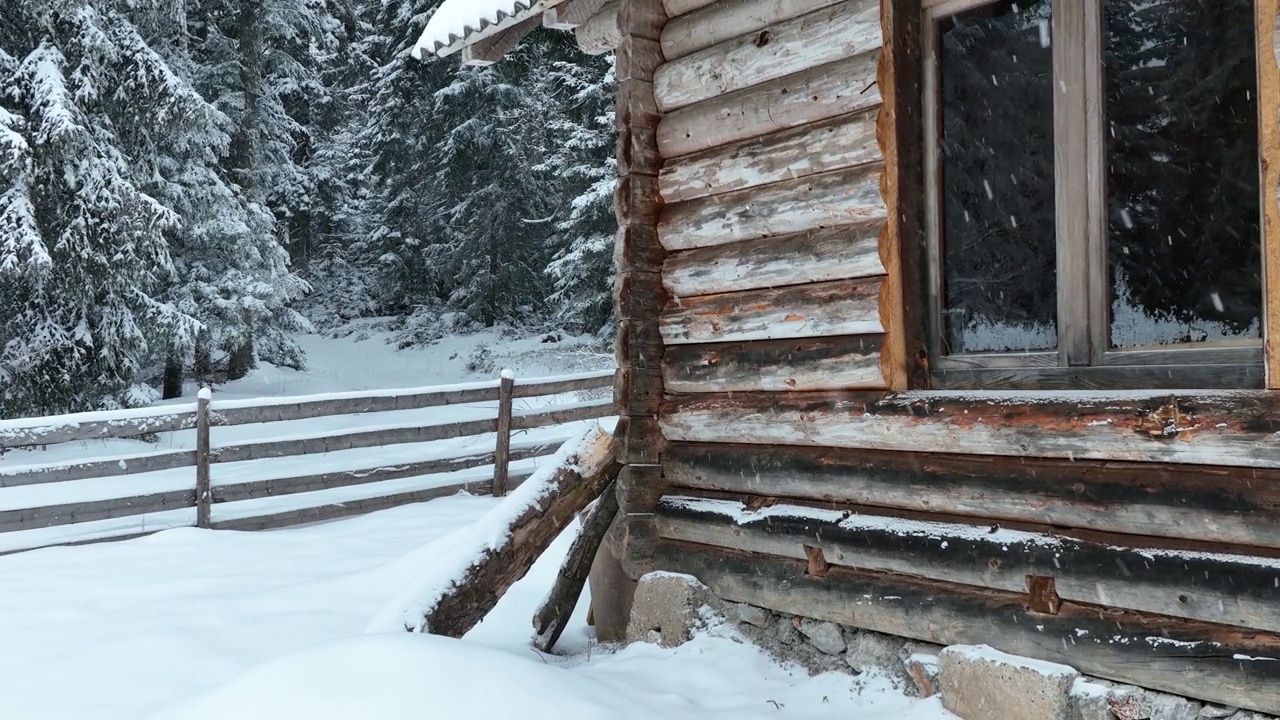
(793, 206)
(491, 25)
(204, 499)
(835, 144)
(600, 34)
(1146, 377)
(717, 22)
(491, 49)
(1226, 428)
(681, 7)
(276, 487)
(1072, 198)
(1267, 32)
(27, 432)
(775, 365)
(842, 252)
(757, 56)
(1209, 662)
(553, 616)
(1196, 503)
(1223, 589)
(502, 453)
(816, 94)
(83, 512)
(803, 311)
(92, 469)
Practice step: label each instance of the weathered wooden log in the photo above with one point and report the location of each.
(82, 512)
(105, 468)
(837, 363)
(1225, 429)
(835, 144)
(1196, 503)
(825, 36)
(461, 588)
(553, 617)
(680, 7)
(1210, 662)
(571, 13)
(823, 92)
(1217, 588)
(802, 311)
(27, 432)
(599, 34)
(843, 252)
(715, 22)
(832, 199)
(204, 498)
(502, 449)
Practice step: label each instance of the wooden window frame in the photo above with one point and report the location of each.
(1084, 358)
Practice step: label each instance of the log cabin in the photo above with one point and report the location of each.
(956, 320)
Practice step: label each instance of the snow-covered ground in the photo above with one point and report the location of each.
(362, 360)
(190, 624)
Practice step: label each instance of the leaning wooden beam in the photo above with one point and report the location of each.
(459, 589)
(552, 618)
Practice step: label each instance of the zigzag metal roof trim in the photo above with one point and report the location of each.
(486, 23)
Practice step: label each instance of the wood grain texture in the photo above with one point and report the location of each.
(551, 619)
(1227, 428)
(823, 92)
(1209, 662)
(757, 56)
(98, 469)
(793, 206)
(29, 432)
(803, 311)
(1145, 377)
(721, 21)
(682, 7)
(1268, 34)
(1196, 503)
(836, 253)
(775, 365)
(83, 512)
(1223, 589)
(835, 144)
(599, 34)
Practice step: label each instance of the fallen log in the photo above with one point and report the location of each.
(550, 621)
(463, 585)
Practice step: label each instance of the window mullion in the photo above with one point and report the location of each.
(1070, 20)
(1098, 283)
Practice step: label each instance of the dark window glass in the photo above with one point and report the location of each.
(998, 248)
(1185, 255)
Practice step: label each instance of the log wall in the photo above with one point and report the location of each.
(782, 347)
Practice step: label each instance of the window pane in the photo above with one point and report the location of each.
(996, 73)
(1185, 244)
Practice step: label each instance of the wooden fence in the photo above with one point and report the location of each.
(55, 508)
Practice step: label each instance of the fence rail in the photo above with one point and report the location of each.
(206, 492)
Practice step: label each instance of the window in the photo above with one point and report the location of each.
(1092, 193)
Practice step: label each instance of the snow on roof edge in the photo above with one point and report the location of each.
(458, 21)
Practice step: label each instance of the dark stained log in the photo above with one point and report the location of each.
(111, 467)
(1208, 662)
(538, 520)
(204, 498)
(552, 618)
(1202, 428)
(802, 311)
(640, 487)
(792, 206)
(775, 365)
(1220, 504)
(640, 440)
(840, 252)
(639, 392)
(1212, 587)
(83, 512)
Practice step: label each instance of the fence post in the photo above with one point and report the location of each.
(204, 498)
(502, 450)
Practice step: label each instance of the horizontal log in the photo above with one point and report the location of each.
(681, 7)
(806, 97)
(1210, 662)
(600, 34)
(803, 311)
(83, 512)
(410, 434)
(1188, 502)
(1151, 377)
(801, 43)
(92, 469)
(1223, 428)
(842, 142)
(276, 487)
(27, 432)
(832, 199)
(843, 252)
(775, 365)
(718, 22)
(1222, 589)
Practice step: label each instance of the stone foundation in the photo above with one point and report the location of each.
(975, 683)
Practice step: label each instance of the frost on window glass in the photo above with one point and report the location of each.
(996, 77)
(1181, 103)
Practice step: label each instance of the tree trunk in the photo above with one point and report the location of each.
(552, 618)
(242, 360)
(173, 377)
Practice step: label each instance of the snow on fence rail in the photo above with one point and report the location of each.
(356, 486)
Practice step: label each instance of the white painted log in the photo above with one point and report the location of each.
(842, 142)
(816, 94)
(725, 20)
(835, 253)
(838, 198)
(806, 311)
(819, 38)
(599, 34)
